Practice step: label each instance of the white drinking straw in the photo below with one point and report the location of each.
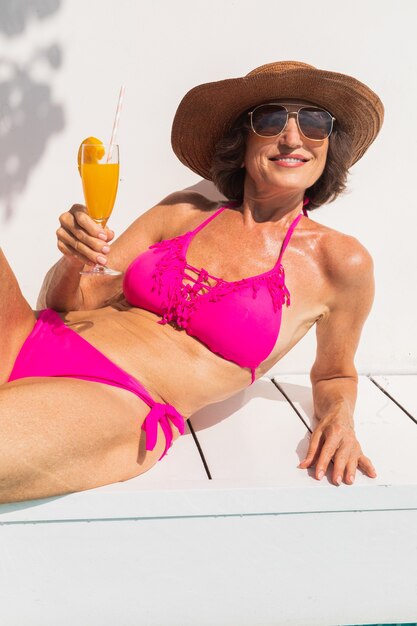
(116, 120)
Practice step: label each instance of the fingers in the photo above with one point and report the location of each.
(78, 243)
(345, 462)
(86, 223)
(313, 449)
(365, 464)
(337, 444)
(75, 251)
(331, 450)
(81, 238)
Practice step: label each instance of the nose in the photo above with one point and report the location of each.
(291, 135)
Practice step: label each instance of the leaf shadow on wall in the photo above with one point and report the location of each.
(15, 14)
(28, 114)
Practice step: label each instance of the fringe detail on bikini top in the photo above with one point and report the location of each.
(183, 299)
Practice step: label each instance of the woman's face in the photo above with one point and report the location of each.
(265, 168)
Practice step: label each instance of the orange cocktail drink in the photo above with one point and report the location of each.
(100, 182)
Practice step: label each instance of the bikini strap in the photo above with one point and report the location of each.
(200, 226)
(288, 236)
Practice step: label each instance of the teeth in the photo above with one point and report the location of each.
(290, 160)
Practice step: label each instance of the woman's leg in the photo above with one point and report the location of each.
(61, 435)
(16, 318)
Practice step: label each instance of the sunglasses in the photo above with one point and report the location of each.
(269, 120)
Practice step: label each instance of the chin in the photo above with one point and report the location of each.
(293, 182)
(296, 179)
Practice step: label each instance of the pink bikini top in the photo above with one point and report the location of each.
(237, 320)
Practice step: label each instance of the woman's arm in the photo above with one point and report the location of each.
(61, 288)
(333, 375)
(64, 289)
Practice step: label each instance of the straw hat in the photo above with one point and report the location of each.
(207, 111)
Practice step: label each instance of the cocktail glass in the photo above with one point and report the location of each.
(99, 168)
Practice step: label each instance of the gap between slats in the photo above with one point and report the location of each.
(200, 451)
(385, 392)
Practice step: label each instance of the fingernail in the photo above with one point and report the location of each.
(320, 474)
(101, 259)
(351, 478)
(105, 249)
(103, 236)
(338, 480)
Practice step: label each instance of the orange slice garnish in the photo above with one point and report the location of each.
(93, 153)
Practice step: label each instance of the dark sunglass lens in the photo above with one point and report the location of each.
(315, 123)
(269, 120)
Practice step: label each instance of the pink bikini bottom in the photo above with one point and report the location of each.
(53, 349)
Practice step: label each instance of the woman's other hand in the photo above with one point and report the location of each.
(80, 239)
(335, 439)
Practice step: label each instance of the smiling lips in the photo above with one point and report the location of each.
(295, 160)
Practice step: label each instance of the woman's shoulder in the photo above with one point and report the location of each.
(185, 210)
(344, 258)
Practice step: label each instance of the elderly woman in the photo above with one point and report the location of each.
(97, 385)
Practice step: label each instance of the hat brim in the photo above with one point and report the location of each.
(207, 111)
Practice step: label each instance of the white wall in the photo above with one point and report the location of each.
(62, 63)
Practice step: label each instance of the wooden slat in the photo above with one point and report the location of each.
(387, 436)
(252, 436)
(402, 388)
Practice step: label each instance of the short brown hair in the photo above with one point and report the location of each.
(228, 175)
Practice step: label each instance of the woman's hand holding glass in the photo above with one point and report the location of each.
(82, 240)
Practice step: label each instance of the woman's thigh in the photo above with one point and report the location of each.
(61, 435)
(16, 319)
